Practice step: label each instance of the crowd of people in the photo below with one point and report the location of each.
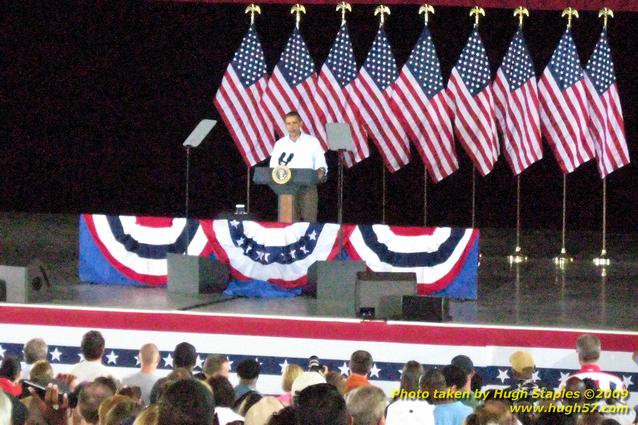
(311, 394)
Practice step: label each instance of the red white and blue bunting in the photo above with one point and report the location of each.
(132, 250)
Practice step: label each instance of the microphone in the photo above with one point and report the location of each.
(289, 158)
(281, 158)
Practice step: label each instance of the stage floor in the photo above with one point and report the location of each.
(535, 293)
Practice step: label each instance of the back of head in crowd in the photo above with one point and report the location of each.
(291, 372)
(248, 370)
(35, 349)
(41, 372)
(216, 365)
(10, 368)
(366, 405)
(149, 355)
(454, 377)
(360, 362)
(588, 348)
(92, 345)
(186, 402)
(222, 391)
(184, 355)
(411, 376)
(523, 366)
(321, 404)
(494, 412)
(432, 380)
(90, 398)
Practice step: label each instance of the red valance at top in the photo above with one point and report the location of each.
(615, 5)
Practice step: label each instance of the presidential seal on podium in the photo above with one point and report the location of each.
(281, 174)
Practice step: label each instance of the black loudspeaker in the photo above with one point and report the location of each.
(334, 284)
(378, 295)
(24, 283)
(425, 309)
(191, 274)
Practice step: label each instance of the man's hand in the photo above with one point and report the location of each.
(50, 407)
(321, 174)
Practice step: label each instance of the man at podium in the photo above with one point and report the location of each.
(300, 150)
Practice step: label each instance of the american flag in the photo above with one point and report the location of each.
(293, 86)
(516, 107)
(421, 103)
(563, 111)
(372, 98)
(607, 125)
(334, 88)
(238, 100)
(474, 105)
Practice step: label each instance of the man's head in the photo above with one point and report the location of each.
(454, 377)
(216, 365)
(293, 124)
(35, 349)
(366, 405)
(360, 362)
(92, 345)
(588, 349)
(186, 402)
(184, 356)
(41, 372)
(90, 398)
(523, 365)
(321, 404)
(149, 356)
(222, 391)
(464, 363)
(248, 370)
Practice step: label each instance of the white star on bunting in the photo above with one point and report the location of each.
(563, 376)
(168, 360)
(627, 381)
(55, 355)
(283, 365)
(199, 362)
(374, 371)
(502, 376)
(112, 358)
(345, 370)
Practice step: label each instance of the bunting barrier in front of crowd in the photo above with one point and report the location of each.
(278, 341)
(132, 250)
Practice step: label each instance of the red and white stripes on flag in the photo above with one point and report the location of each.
(607, 125)
(238, 101)
(335, 89)
(372, 99)
(293, 87)
(516, 107)
(563, 107)
(471, 93)
(421, 103)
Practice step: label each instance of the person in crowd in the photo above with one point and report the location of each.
(448, 410)
(186, 402)
(117, 409)
(10, 376)
(90, 397)
(320, 404)
(149, 357)
(250, 399)
(92, 348)
(261, 412)
(493, 412)
(148, 416)
(248, 372)
(35, 349)
(291, 372)
(336, 379)
(433, 380)
(224, 396)
(366, 405)
(406, 410)
(163, 383)
(411, 376)
(5, 409)
(588, 348)
(185, 356)
(216, 365)
(360, 365)
(305, 380)
(523, 367)
(285, 416)
(464, 363)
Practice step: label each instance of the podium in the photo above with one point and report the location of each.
(286, 193)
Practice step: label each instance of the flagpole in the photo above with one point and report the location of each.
(473, 196)
(603, 260)
(563, 258)
(518, 256)
(425, 197)
(247, 189)
(383, 195)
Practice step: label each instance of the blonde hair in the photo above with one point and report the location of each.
(291, 373)
(41, 372)
(148, 416)
(115, 409)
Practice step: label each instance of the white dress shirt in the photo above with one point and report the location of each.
(306, 153)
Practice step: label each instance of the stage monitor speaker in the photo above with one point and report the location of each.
(23, 284)
(379, 295)
(335, 286)
(422, 308)
(192, 274)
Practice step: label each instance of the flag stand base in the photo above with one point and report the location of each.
(602, 260)
(563, 259)
(517, 257)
